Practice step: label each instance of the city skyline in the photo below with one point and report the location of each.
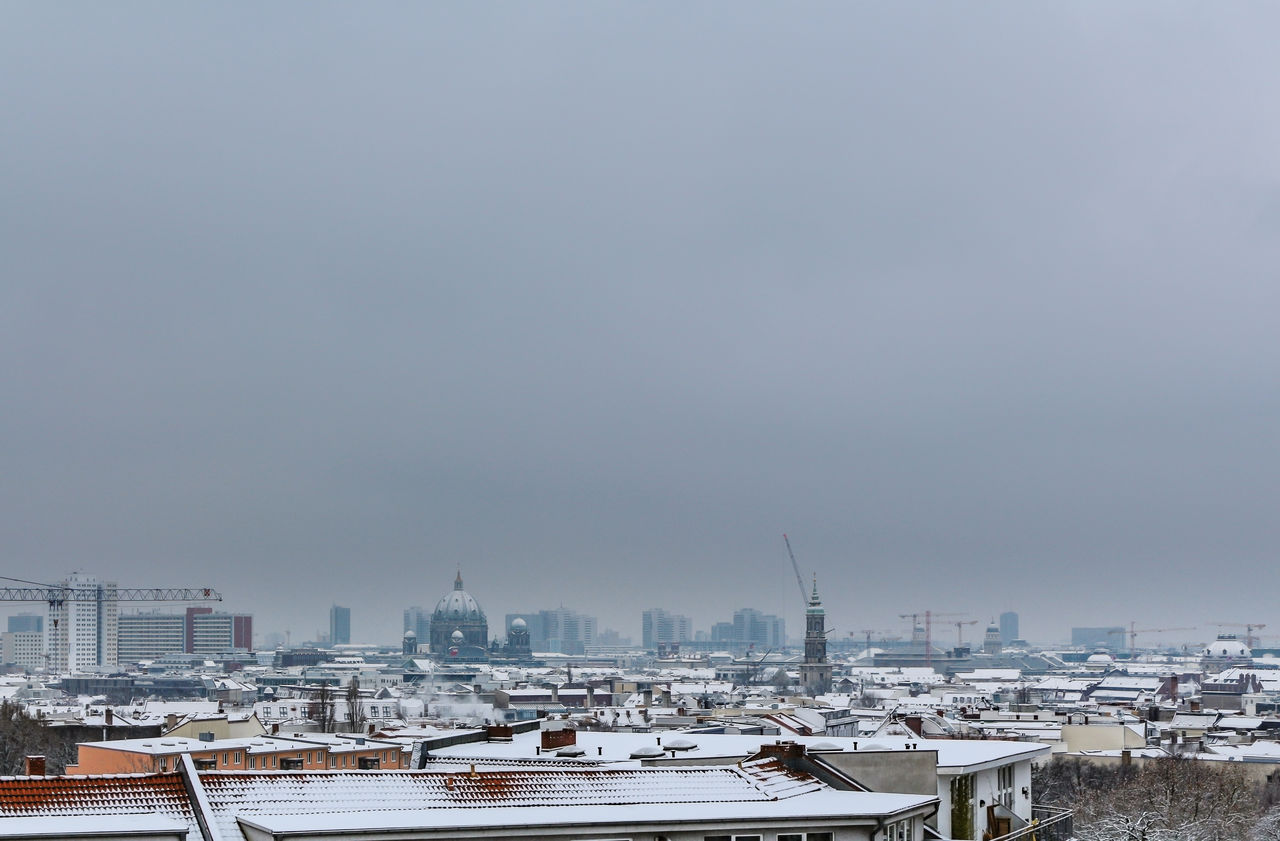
(597, 303)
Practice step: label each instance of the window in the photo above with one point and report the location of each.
(333, 762)
(1004, 786)
(253, 762)
(226, 758)
(239, 757)
(900, 831)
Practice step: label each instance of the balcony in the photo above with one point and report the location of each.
(1048, 823)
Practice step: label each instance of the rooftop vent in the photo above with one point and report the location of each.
(647, 752)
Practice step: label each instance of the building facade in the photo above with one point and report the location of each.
(661, 627)
(216, 633)
(146, 636)
(26, 622)
(24, 649)
(82, 629)
(418, 620)
(1008, 627)
(339, 625)
(759, 631)
(558, 631)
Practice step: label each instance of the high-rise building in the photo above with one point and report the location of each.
(26, 622)
(659, 626)
(339, 625)
(1008, 627)
(82, 629)
(147, 636)
(761, 631)
(418, 620)
(722, 632)
(561, 631)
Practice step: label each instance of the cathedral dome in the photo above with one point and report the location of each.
(1227, 645)
(457, 604)
(519, 624)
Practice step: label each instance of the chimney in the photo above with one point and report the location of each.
(1126, 758)
(170, 721)
(108, 716)
(648, 697)
(782, 750)
(1195, 706)
(1173, 688)
(34, 766)
(915, 724)
(500, 733)
(552, 739)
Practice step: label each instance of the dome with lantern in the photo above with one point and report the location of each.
(459, 628)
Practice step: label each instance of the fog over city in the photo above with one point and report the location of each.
(317, 303)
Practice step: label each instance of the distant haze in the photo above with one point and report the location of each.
(318, 302)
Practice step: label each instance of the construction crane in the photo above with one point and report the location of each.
(1249, 628)
(55, 595)
(804, 595)
(960, 629)
(868, 632)
(1134, 631)
(928, 631)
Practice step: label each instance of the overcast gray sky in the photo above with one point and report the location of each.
(317, 302)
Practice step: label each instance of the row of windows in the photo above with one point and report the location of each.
(782, 836)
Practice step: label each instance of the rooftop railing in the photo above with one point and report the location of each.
(1048, 823)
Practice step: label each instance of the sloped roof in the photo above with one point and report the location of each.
(161, 795)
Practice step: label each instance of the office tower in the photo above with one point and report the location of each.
(339, 625)
(659, 626)
(1008, 627)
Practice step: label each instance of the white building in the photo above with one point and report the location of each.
(146, 636)
(82, 628)
(23, 648)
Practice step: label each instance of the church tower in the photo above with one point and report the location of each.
(815, 672)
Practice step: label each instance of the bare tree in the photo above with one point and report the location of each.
(320, 708)
(1166, 799)
(354, 710)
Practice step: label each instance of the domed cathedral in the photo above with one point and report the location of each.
(459, 630)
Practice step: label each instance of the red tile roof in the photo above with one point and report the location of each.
(129, 794)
